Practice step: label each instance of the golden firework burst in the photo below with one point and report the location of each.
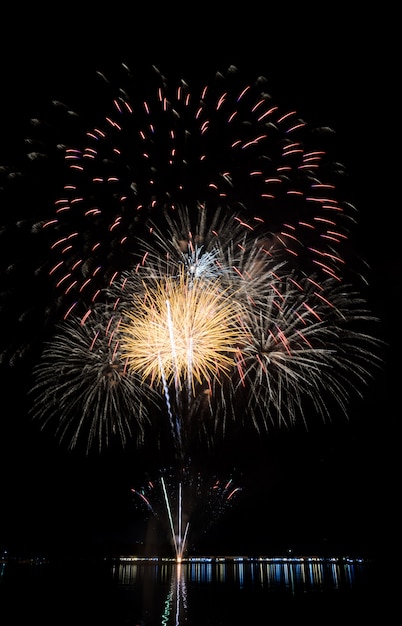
(182, 330)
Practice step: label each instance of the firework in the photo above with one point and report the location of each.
(83, 388)
(195, 241)
(233, 337)
(223, 147)
(307, 344)
(185, 503)
(182, 330)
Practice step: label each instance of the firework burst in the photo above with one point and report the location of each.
(182, 330)
(195, 243)
(229, 337)
(306, 344)
(83, 388)
(226, 146)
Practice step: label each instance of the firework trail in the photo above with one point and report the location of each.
(186, 504)
(207, 227)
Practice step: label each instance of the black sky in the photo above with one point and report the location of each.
(333, 487)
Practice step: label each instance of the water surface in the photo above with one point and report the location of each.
(198, 592)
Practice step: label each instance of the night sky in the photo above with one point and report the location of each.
(332, 488)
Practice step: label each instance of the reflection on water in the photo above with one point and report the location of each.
(235, 591)
(302, 573)
(294, 576)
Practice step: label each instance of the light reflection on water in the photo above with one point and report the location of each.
(257, 578)
(234, 591)
(270, 573)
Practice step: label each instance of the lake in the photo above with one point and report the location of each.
(202, 591)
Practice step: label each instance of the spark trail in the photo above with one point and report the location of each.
(186, 503)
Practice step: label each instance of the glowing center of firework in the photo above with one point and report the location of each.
(182, 330)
